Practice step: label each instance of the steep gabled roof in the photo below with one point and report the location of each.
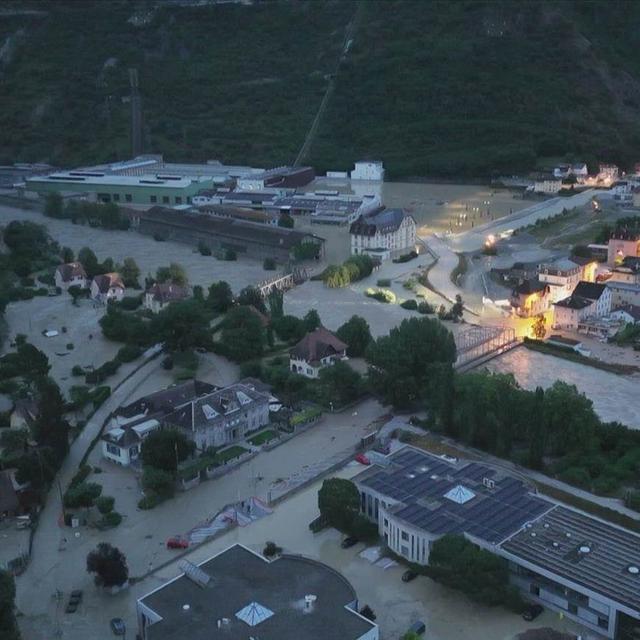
(107, 281)
(71, 270)
(385, 221)
(168, 292)
(590, 290)
(316, 345)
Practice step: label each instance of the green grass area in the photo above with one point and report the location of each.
(263, 437)
(420, 81)
(223, 457)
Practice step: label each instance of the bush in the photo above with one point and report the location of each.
(81, 475)
(130, 303)
(149, 502)
(83, 494)
(576, 476)
(70, 346)
(271, 549)
(77, 370)
(411, 305)
(128, 353)
(109, 520)
(406, 257)
(230, 255)
(384, 282)
(105, 504)
(158, 237)
(381, 295)
(269, 264)
(204, 249)
(425, 308)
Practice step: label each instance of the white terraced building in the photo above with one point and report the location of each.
(386, 234)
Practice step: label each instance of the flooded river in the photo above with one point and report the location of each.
(614, 397)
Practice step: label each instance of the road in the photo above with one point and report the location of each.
(142, 534)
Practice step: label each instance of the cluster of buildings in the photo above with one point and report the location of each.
(110, 287)
(586, 568)
(570, 176)
(581, 293)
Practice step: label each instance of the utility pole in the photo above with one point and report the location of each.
(136, 114)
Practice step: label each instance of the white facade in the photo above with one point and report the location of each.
(308, 369)
(74, 281)
(396, 243)
(561, 281)
(624, 293)
(569, 317)
(114, 292)
(550, 186)
(368, 170)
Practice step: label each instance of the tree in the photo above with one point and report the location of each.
(26, 239)
(355, 333)
(158, 482)
(67, 255)
(165, 448)
(8, 622)
(458, 308)
(82, 495)
(53, 205)
(105, 504)
(250, 296)
(130, 273)
(51, 428)
(306, 251)
(276, 303)
(269, 264)
(220, 298)
(182, 326)
(539, 329)
(242, 335)
(33, 362)
(339, 502)
(286, 221)
(340, 384)
(481, 575)
(89, 261)
(174, 273)
(368, 613)
(109, 565)
(289, 328)
(311, 320)
(76, 292)
(406, 366)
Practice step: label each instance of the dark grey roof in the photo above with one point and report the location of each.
(219, 403)
(229, 228)
(530, 286)
(604, 568)
(385, 221)
(591, 290)
(166, 400)
(239, 578)
(420, 481)
(574, 302)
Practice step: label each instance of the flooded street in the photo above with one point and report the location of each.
(614, 397)
(436, 207)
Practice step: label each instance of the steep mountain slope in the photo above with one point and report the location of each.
(433, 88)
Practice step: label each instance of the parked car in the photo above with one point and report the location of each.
(532, 612)
(177, 543)
(409, 575)
(349, 542)
(362, 459)
(418, 627)
(118, 627)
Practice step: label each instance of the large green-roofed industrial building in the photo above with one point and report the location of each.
(143, 190)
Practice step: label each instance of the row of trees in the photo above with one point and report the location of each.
(96, 214)
(351, 270)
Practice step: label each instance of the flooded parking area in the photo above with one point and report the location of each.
(614, 397)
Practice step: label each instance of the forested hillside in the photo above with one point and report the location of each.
(432, 88)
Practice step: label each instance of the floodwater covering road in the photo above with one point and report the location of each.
(614, 397)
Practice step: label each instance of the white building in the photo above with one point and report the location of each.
(388, 233)
(161, 295)
(368, 170)
(71, 274)
(566, 560)
(624, 293)
(588, 300)
(108, 286)
(318, 349)
(550, 186)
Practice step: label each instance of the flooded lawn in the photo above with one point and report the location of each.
(614, 397)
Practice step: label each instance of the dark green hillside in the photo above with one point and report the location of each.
(432, 88)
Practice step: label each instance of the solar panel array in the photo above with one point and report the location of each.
(420, 481)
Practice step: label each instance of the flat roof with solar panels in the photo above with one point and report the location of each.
(448, 497)
(239, 594)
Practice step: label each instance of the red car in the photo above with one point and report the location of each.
(177, 543)
(362, 459)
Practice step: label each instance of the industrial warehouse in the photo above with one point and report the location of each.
(223, 234)
(581, 566)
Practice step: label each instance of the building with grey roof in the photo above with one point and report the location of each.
(384, 234)
(239, 594)
(582, 566)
